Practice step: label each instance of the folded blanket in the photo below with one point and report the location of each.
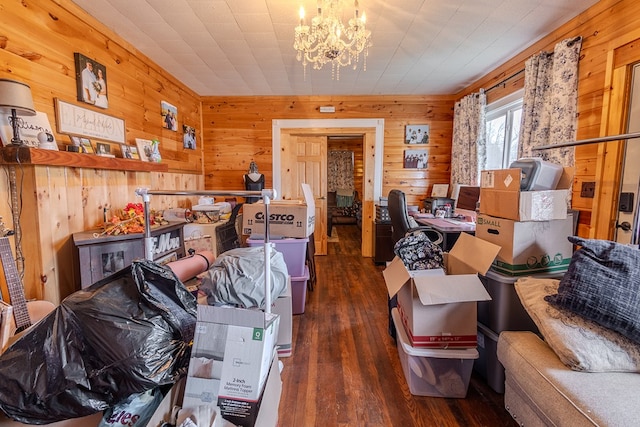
(344, 197)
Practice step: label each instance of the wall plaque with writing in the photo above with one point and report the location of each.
(76, 120)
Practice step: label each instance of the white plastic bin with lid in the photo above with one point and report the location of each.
(434, 372)
(294, 251)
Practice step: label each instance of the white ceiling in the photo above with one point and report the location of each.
(245, 47)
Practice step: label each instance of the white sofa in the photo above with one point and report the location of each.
(540, 390)
(579, 374)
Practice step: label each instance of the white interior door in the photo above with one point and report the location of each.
(627, 229)
(304, 159)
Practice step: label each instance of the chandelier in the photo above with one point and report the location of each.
(329, 40)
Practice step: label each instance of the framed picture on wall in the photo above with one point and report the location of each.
(415, 159)
(416, 134)
(189, 137)
(91, 81)
(169, 116)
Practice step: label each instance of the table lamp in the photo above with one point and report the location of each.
(15, 98)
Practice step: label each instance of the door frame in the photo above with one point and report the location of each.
(373, 186)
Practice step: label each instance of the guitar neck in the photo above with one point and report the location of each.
(14, 285)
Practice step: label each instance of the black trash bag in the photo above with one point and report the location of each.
(126, 334)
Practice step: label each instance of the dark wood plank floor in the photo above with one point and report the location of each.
(345, 370)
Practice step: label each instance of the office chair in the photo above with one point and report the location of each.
(400, 219)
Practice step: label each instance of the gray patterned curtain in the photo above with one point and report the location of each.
(469, 145)
(340, 170)
(549, 106)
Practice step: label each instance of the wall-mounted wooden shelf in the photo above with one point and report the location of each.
(36, 156)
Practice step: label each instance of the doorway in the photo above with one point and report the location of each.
(373, 134)
(627, 223)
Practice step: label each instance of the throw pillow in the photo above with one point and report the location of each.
(602, 284)
(579, 343)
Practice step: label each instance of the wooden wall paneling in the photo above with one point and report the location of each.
(234, 117)
(55, 277)
(368, 204)
(31, 252)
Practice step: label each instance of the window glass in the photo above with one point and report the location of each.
(503, 131)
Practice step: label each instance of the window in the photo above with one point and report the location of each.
(503, 131)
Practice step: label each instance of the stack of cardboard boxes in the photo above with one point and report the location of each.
(436, 317)
(531, 227)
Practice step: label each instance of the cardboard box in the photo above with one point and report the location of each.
(500, 196)
(439, 310)
(267, 415)
(232, 352)
(287, 218)
(283, 307)
(528, 247)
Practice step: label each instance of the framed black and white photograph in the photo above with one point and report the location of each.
(416, 134)
(104, 149)
(189, 137)
(415, 159)
(169, 116)
(91, 81)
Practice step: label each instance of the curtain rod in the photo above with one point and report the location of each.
(517, 73)
(589, 141)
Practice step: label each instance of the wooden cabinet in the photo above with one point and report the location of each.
(102, 256)
(382, 242)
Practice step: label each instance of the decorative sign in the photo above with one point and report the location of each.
(28, 126)
(76, 120)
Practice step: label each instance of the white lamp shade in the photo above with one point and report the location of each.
(16, 95)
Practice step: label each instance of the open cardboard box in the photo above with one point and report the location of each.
(438, 309)
(500, 196)
(287, 218)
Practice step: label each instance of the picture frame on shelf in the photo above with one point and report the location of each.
(30, 127)
(103, 149)
(86, 146)
(129, 152)
(144, 147)
(416, 134)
